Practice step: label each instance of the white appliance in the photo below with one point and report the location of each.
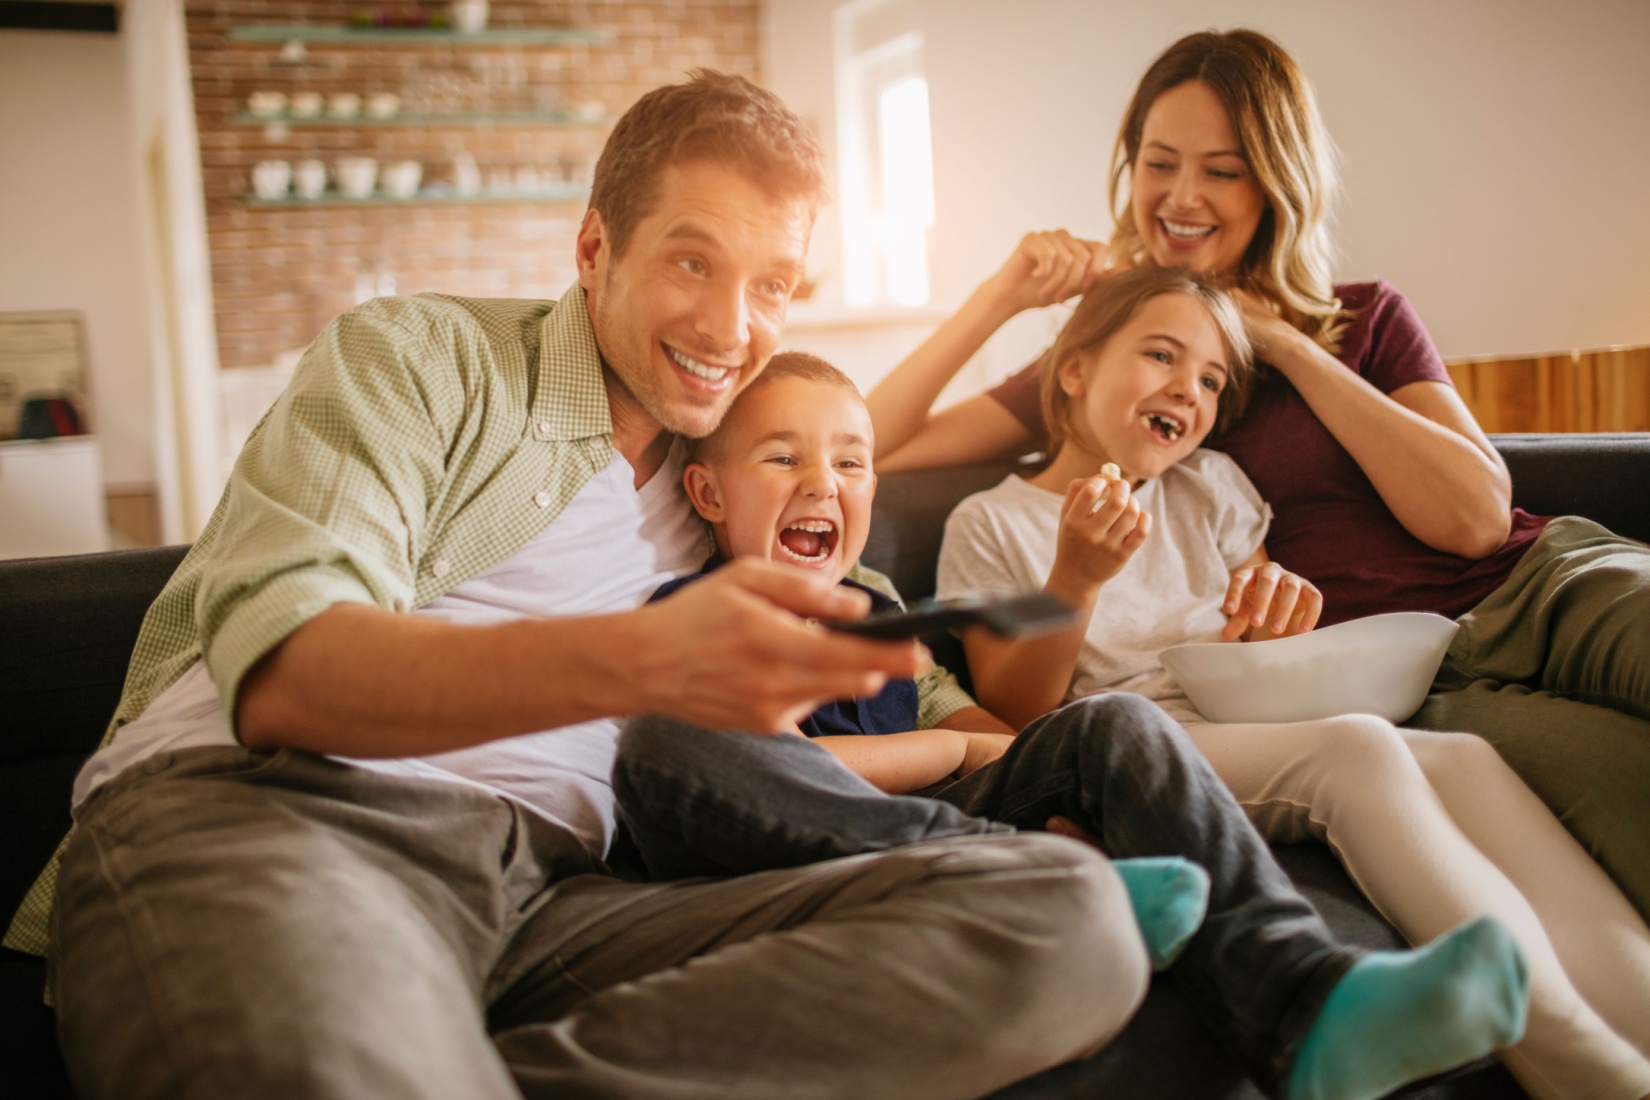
(51, 497)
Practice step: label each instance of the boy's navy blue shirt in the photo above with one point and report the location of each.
(891, 710)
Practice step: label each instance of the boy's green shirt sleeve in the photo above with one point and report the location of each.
(939, 696)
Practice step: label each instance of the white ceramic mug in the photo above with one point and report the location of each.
(306, 104)
(343, 105)
(270, 179)
(309, 179)
(383, 105)
(266, 104)
(466, 176)
(356, 176)
(401, 178)
(468, 16)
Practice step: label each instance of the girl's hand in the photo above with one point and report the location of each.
(1046, 268)
(1265, 600)
(1101, 526)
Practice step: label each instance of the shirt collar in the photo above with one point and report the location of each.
(569, 399)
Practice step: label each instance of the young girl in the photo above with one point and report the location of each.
(1168, 548)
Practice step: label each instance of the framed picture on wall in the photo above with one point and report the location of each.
(42, 356)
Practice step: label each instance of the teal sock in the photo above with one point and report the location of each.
(1170, 896)
(1397, 1016)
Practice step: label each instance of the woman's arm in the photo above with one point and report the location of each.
(1045, 268)
(978, 429)
(1419, 446)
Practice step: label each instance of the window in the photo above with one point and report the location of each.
(886, 159)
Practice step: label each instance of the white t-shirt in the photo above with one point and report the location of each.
(1207, 519)
(608, 550)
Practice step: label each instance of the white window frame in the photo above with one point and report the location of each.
(885, 179)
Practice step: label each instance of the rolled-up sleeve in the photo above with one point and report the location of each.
(329, 500)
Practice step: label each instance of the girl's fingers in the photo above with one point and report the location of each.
(1241, 579)
(1311, 607)
(1266, 585)
(1285, 602)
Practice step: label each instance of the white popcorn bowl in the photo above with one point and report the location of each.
(1382, 665)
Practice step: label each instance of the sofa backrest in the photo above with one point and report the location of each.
(1603, 477)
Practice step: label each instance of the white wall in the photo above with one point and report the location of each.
(69, 229)
(1496, 153)
(186, 408)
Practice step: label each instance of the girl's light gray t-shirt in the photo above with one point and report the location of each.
(1207, 519)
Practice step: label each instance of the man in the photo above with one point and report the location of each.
(346, 837)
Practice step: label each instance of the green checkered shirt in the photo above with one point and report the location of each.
(422, 441)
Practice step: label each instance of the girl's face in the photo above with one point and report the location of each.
(1195, 198)
(1148, 396)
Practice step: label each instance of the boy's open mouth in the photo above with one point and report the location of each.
(1166, 427)
(809, 541)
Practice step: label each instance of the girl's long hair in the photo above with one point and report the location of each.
(1110, 305)
(1275, 114)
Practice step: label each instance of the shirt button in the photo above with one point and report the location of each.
(441, 568)
(544, 427)
(542, 498)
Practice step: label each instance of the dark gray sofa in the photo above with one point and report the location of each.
(67, 626)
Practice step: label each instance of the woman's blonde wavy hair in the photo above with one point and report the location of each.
(1275, 114)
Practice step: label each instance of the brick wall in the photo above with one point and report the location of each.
(279, 274)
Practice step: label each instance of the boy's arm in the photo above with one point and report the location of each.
(899, 763)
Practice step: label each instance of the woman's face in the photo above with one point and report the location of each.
(1195, 199)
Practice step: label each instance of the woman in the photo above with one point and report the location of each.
(1387, 494)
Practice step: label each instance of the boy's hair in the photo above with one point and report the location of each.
(787, 364)
(1110, 305)
(711, 117)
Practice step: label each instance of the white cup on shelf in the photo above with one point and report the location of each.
(271, 178)
(468, 16)
(357, 176)
(466, 176)
(309, 179)
(343, 105)
(306, 104)
(383, 105)
(266, 104)
(401, 178)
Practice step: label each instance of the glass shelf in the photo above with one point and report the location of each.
(244, 117)
(565, 193)
(412, 36)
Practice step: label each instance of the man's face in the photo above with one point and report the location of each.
(691, 310)
(789, 478)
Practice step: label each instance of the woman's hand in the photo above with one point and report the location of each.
(1266, 329)
(1265, 600)
(1047, 267)
(1101, 526)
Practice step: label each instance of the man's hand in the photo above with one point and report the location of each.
(736, 650)
(1047, 268)
(1101, 526)
(1264, 600)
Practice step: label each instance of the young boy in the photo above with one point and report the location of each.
(787, 476)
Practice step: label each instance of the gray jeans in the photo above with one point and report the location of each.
(697, 802)
(253, 924)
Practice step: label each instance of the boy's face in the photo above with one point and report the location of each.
(789, 477)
